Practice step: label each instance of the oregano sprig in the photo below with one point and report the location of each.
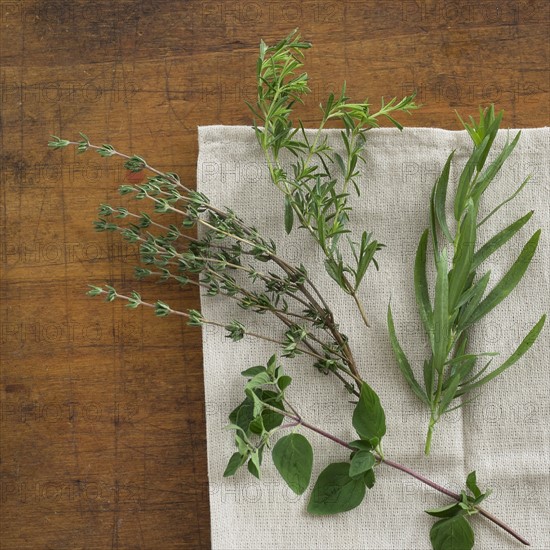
(341, 486)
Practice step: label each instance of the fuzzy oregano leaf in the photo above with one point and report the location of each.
(454, 533)
(335, 491)
(369, 419)
(293, 458)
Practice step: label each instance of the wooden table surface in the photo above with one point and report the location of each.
(102, 414)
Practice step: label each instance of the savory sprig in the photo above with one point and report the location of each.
(317, 186)
(460, 298)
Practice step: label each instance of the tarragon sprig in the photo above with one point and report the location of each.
(460, 298)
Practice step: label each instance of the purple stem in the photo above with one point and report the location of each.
(417, 476)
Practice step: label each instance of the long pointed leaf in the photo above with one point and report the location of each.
(474, 298)
(421, 286)
(506, 201)
(508, 282)
(466, 177)
(403, 362)
(464, 254)
(525, 345)
(493, 244)
(441, 314)
(492, 170)
(440, 197)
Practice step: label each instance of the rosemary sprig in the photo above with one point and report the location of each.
(317, 186)
(459, 301)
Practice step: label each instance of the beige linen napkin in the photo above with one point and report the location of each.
(503, 435)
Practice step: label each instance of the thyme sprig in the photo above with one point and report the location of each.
(227, 247)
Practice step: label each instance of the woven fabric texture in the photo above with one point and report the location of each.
(503, 434)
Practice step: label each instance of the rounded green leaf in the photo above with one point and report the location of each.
(453, 533)
(293, 458)
(369, 419)
(335, 491)
(361, 462)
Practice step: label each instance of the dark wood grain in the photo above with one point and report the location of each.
(102, 419)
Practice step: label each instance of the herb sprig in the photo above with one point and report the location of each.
(317, 186)
(459, 296)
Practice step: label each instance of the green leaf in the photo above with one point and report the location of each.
(511, 197)
(289, 214)
(440, 197)
(283, 382)
(446, 511)
(235, 462)
(421, 286)
(527, 342)
(243, 415)
(508, 282)
(335, 491)
(454, 533)
(361, 462)
(361, 445)
(471, 483)
(498, 240)
(464, 254)
(403, 362)
(259, 379)
(492, 170)
(466, 177)
(472, 298)
(370, 478)
(253, 371)
(441, 314)
(293, 458)
(369, 419)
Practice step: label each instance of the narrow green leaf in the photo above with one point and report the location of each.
(440, 197)
(454, 533)
(368, 418)
(421, 286)
(293, 458)
(525, 345)
(508, 282)
(492, 170)
(473, 297)
(441, 314)
(506, 201)
(335, 491)
(360, 463)
(403, 362)
(464, 254)
(466, 178)
(498, 240)
(289, 215)
(235, 462)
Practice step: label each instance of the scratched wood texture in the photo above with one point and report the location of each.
(102, 415)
